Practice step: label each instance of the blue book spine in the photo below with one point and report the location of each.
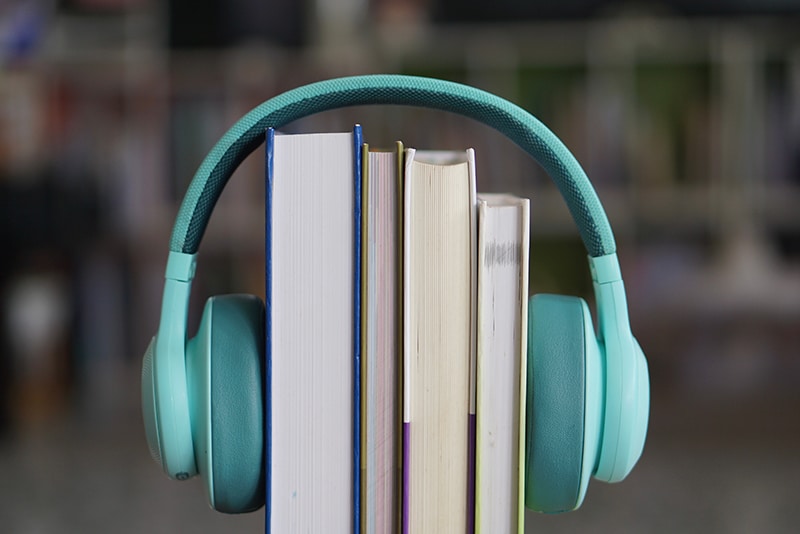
(358, 141)
(270, 143)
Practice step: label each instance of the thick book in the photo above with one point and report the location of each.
(381, 340)
(503, 249)
(439, 342)
(313, 225)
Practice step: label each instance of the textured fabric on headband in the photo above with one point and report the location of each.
(509, 119)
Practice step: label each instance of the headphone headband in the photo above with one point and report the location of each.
(507, 118)
(616, 428)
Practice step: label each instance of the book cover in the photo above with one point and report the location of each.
(381, 354)
(503, 244)
(312, 382)
(439, 347)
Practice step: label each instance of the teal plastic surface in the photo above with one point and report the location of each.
(198, 378)
(555, 428)
(605, 269)
(149, 403)
(627, 386)
(169, 375)
(511, 120)
(180, 266)
(593, 408)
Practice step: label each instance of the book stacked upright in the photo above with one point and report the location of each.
(312, 278)
(502, 354)
(438, 295)
(396, 341)
(381, 335)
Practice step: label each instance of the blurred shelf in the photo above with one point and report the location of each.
(680, 210)
(687, 126)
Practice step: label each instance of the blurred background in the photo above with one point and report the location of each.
(685, 114)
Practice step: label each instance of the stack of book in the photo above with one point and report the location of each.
(396, 340)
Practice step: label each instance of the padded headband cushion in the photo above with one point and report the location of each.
(517, 124)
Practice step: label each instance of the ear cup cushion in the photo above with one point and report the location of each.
(555, 409)
(237, 403)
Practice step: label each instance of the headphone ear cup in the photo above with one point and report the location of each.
(555, 478)
(225, 373)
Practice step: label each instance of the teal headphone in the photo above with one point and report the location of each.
(588, 393)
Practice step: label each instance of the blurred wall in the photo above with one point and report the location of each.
(686, 115)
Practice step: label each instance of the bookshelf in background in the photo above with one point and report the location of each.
(688, 127)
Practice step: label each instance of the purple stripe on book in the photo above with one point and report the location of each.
(406, 481)
(471, 473)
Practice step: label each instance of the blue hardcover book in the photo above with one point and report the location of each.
(313, 288)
